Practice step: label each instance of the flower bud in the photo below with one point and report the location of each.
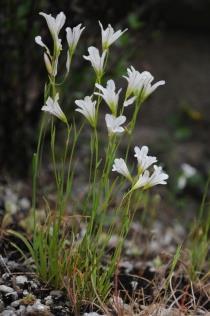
(48, 64)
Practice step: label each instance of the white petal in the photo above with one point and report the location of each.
(129, 101)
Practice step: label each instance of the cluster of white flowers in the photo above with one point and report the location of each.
(139, 88)
(72, 36)
(144, 179)
(109, 95)
(140, 84)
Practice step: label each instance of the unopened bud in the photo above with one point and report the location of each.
(47, 64)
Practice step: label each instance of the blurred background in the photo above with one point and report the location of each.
(168, 38)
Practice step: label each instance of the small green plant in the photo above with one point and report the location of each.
(199, 240)
(65, 257)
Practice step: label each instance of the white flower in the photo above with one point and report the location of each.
(109, 36)
(54, 24)
(109, 95)
(88, 108)
(73, 36)
(187, 172)
(113, 123)
(51, 67)
(96, 60)
(146, 181)
(129, 101)
(121, 167)
(144, 161)
(142, 181)
(39, 41)
(53, 108)
(158, 176)
(140, 83)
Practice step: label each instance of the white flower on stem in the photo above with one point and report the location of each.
(143, 180)
(148, 88)
(51, 67)
(54, 24)
(187, 172)
(38, 40)
(133, 79)
(53, 108)
(129, 101)
(146, 181)
(109, 36)
(144, 161)
(96, 60)
(121, 167)
(114, 123)
(140, 84)
(87, 107)
(109, 95)
(73, 36)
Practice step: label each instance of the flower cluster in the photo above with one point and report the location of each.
(144, 180)
(140, 84)
(72, 36)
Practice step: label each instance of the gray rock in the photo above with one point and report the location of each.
(13, 295)
(21, 280)
(21, 311)
(6, 289)
(56, 293)
(37, 307)
(15, 304)
(92, 314)
(24, 204)
(48, 300)
(33, 285)
(1, 305)
(8, 312)
(5, 276)
(25, 292)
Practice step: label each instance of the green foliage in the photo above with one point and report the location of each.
(199, 240)
(134, 21)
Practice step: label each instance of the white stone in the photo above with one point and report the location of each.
(21, 279)
(6, 289)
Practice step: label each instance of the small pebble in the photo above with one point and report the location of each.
(6, 289)
(37, 307)
(5, 276)
(56, 293)
(48, 300)
(12, 296)
(15, 304)
(8, 312)
(21, 280)
(22, 310)
(92, 314)
(1, 305)
(24, 204)
(25, 292)
(33, 285)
